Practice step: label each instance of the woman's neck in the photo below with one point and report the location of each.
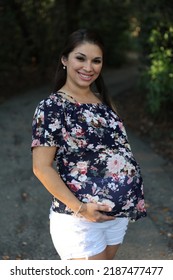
(77, 91)
(82, 95)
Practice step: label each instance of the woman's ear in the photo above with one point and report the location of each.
(64, 60)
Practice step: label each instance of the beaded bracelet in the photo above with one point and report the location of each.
(77, 212)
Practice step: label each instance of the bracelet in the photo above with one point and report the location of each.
(77, 212)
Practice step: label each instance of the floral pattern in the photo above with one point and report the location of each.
(93, 155)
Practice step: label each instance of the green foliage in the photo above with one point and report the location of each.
(159, 74)
(156, 42)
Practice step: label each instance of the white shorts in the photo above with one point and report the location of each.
(75, 237)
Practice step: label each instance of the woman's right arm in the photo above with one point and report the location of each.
(43, 158)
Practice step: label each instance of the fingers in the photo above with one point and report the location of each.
(105, 218)
(101, 217)
(104, 208)
(96, 212)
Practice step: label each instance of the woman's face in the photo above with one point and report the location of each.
(83, 64)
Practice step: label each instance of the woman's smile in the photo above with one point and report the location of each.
(85, 76)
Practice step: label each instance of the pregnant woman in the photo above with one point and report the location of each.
(96, 184)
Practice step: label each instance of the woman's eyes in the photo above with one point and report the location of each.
(96, 61)
(80, 58)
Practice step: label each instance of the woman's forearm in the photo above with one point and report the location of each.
(49, 177)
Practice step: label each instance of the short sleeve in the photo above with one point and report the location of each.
(47, 124)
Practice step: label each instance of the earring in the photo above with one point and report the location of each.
(64, 67)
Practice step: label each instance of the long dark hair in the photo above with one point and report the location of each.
(76, 38)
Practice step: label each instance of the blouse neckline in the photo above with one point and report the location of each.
(67, 97)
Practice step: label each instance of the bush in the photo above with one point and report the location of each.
(159, 74)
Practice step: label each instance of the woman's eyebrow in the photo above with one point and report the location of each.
(80, 53)
(98, 57)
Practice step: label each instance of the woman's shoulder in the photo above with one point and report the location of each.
(51, 105)
(53, 99)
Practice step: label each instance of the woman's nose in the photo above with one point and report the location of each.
(88, 66)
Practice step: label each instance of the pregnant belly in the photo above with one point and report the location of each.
(121, 194)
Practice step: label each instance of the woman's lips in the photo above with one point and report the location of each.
(85, 77)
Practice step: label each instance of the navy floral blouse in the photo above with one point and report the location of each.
(93, 156)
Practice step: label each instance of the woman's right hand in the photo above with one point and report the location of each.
(93, 212)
